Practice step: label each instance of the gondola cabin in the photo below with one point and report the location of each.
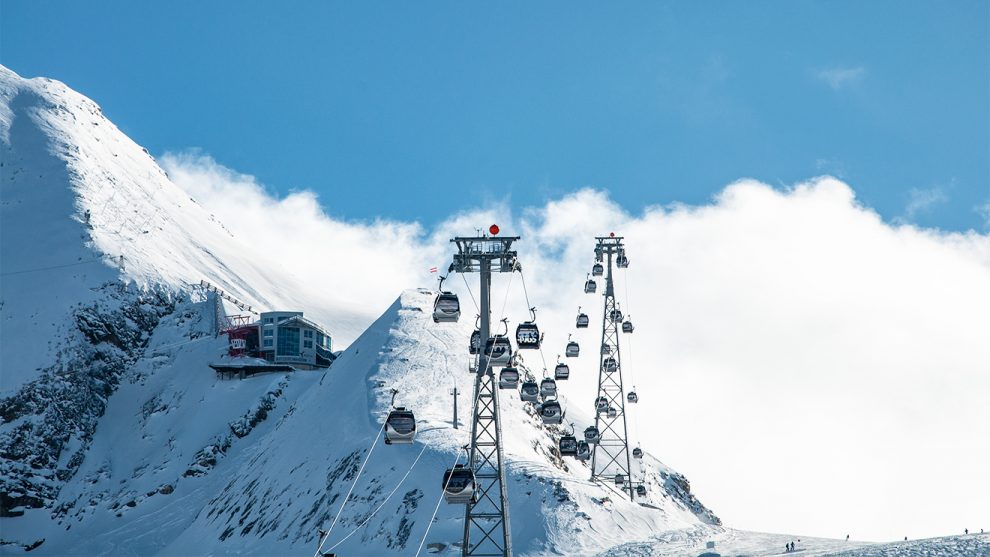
(447, 308)
(632, 397)
(499, 351)
(609, 365)
(637, 453)
(400, 427)
(612, 412)
(622, 261)
(615, 315)
(582, 320)
(551, 412)
(592, 435)
(548, 388)
(590, 287)
(508, 378)
(597, 270)
(562, 372)
(530, 392)
(528, 336)
(641, 490)
(475, 346)
(627, 326)
(459, 485)
(573, 349)
(620, 480)
(601, 404)
(568, 445)
(583, 451)
(606, 349)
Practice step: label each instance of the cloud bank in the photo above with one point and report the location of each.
(812, 368)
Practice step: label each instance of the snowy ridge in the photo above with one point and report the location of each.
(184, 461)
(334, 423)
(97, 245)
(78, 195)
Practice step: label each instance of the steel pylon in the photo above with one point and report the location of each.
(610, 457)
(486, 519)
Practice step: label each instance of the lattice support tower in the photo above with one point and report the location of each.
(611, 456)
(486, 520)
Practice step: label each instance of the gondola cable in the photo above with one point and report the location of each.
(631, 368)
(349, 491)
(437, 508)
(468, 286)
(374, 512)
(522, 278)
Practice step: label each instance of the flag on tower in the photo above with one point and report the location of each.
(433, 269)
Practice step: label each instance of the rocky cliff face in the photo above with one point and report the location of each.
(46, 425)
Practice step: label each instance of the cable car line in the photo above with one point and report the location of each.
(349, 491)
(522, 278)
(38, 269)
(632, 368)
(470, 293)
(374, 512)
(437, 508)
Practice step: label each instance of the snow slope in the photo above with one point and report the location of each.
(146, 488)
(736, 542)
(77, 195)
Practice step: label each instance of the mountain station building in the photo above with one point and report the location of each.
(283, 337)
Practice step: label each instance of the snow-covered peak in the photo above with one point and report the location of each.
(82, 205)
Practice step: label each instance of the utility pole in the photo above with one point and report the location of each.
(455, 393)
(486, 519)
(610, 457)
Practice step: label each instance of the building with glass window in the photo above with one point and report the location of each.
(286, 337)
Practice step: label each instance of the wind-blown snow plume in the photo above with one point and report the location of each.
(822, 370)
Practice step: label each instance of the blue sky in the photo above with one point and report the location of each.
(416, 111)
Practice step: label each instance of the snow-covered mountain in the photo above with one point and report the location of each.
(116, 437)
(83, 205)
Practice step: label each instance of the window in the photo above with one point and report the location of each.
(268, 331)
(288, 341)
(268, 342)
(308, 333)
(307, 344)
(269, 320)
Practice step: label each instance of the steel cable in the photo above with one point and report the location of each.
(374, 443)
(374, 512)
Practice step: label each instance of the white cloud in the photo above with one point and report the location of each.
(348, 266)
(921, 200)
(840, 77)
(811, 368)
